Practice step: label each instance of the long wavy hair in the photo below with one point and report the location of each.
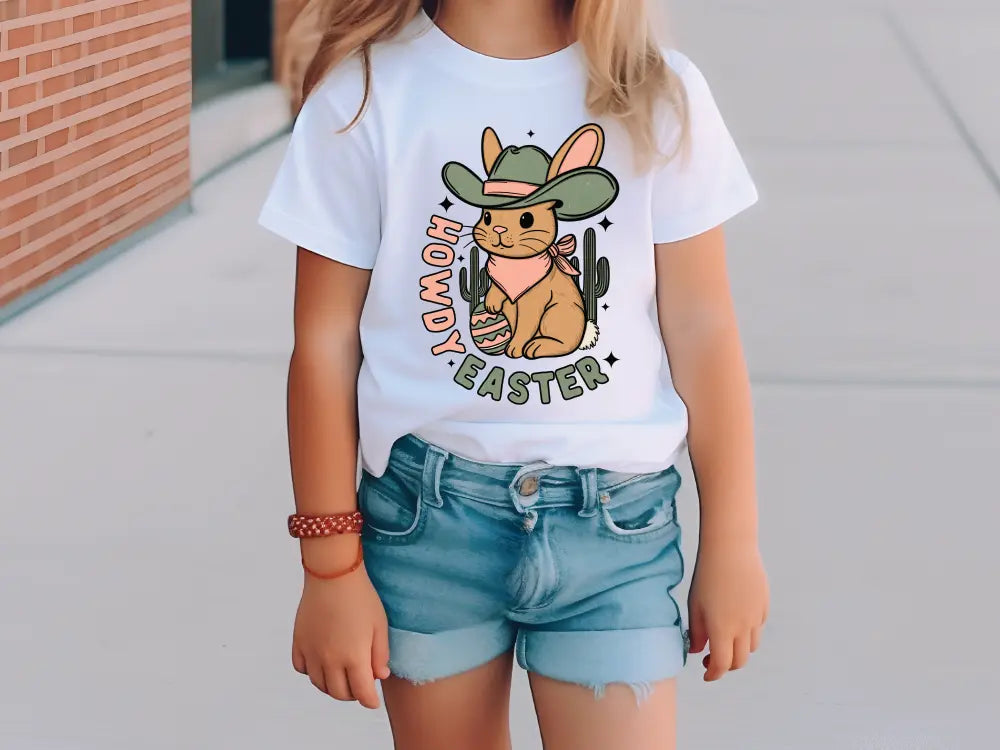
(628, 76)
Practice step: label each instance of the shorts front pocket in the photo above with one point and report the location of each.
(391, 507)
(642, 509)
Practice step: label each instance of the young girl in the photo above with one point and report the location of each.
(508, 215)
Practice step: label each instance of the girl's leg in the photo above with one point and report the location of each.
(570, 717)
(464, 711)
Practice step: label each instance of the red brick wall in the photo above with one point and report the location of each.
(94, 115)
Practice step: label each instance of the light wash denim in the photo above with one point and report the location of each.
(572, 567)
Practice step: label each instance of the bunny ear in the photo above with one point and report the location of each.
(582, 149)
(491, 148)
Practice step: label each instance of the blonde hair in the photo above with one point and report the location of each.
(628, 76)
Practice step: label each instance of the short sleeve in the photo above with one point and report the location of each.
(709, 184)
(325, 195)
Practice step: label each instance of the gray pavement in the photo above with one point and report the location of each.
(141, 411)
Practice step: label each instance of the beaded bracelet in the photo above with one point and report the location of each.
(305, 526)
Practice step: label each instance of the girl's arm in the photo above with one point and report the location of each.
(340, 637)
(729, 597)
(322, 398)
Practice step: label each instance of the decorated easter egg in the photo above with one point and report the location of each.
(490, 331)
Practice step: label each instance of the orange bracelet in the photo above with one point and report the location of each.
(339, 573)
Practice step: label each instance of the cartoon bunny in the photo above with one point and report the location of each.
(523, 198)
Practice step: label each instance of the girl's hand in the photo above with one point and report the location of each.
(727, 606)
(341, 638)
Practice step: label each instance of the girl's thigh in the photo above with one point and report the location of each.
(570, 717)
(466, 710)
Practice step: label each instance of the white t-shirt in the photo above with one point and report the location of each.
(511, 315)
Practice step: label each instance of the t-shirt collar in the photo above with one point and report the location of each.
(496, 71)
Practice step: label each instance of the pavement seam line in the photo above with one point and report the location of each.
(926, 74)
(875, 382)
(262, 358)
(265, 358)
(243, 155)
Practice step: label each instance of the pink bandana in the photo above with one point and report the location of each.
(515, 276)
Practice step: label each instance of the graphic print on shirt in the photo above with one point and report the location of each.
(530, 299)
(527, 301)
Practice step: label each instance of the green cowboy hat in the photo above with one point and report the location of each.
(519, 178)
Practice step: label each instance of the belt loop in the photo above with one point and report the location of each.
(588, 482)
(430, 491)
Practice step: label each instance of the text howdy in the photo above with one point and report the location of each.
(434, 285)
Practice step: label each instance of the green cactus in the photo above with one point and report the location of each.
(596, 275)
(474, 291)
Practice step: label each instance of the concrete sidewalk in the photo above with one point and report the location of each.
(142, 409)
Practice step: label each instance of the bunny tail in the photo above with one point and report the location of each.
(590, 334)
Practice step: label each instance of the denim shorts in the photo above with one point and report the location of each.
(571, 567)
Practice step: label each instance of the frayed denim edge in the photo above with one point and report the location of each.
(414, 681)
(641, 690)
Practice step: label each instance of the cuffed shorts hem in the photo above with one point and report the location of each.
(422, 657)
(595, 658)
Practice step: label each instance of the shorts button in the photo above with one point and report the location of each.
(529, 486)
